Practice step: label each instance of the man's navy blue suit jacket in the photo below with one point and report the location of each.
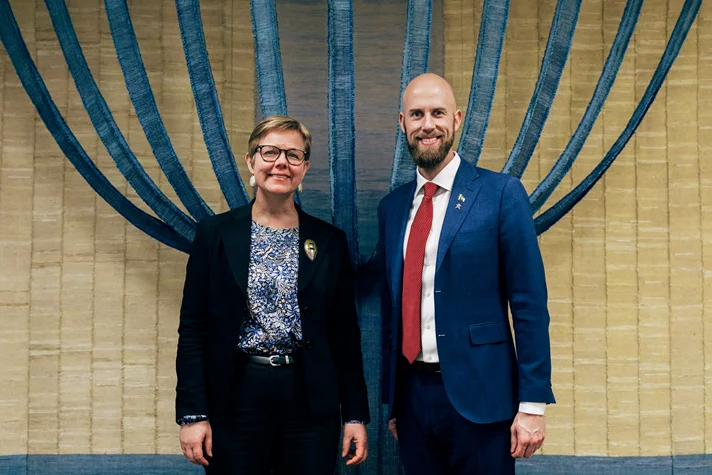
(488, 261)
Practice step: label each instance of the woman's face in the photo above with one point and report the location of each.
(278, 177)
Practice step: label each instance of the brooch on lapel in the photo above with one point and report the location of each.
(310, 249)
(460, 198)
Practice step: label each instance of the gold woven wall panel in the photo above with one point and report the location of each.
(627, 269)
(89, 304)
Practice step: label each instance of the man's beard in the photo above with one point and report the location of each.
(431, 157)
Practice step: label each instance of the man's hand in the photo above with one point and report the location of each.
(527, 434)
(392, 428)
(194, 438)
(355, 433)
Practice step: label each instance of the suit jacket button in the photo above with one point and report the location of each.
(308, 344)
(305, 310)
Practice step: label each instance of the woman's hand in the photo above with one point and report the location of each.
(196, 441)
(355, 433)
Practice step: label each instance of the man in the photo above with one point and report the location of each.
(457, 247)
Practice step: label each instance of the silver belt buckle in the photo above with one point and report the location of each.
(272, 360)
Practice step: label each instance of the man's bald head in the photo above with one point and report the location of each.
(429, 119)
(432, 85)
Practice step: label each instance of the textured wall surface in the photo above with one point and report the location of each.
(88, 304)
(629, 292)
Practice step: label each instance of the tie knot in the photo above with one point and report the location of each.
(430, 189)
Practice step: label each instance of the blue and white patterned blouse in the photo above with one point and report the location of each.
(274, 326)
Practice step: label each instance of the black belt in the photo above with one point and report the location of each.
(273, 360)
(422, 366)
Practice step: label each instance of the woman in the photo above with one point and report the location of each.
(269, 354)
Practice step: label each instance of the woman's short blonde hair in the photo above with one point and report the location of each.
(278, 123)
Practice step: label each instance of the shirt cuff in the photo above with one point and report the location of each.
(355, 422)
(536, 408)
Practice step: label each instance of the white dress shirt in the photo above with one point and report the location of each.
(429, 345)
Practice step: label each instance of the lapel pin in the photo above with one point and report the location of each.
(461, 198)
(310, 249)
(458, 206)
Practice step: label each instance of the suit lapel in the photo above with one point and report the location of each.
(464, 193)
(236, 237)
(395, 235)
(309, 231)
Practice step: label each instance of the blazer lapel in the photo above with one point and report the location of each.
(319, 242)
(236, 237)
(395, 234)
(464, 193)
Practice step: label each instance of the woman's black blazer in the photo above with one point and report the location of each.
(215, 302)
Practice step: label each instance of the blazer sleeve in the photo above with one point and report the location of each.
(385, 308)
(345, 336)
(191, 394)
(525, 284)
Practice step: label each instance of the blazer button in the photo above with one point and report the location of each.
(305, 310)
(308, 344)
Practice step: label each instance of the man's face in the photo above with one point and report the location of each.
(429, 121)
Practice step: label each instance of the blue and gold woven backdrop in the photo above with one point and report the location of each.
(89, 303)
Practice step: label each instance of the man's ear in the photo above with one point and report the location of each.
(458, 119)
(401, 121)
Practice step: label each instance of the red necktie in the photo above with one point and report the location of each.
(413, 273)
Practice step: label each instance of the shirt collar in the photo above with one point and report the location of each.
(444, 179)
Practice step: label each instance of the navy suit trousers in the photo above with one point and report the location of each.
(434, 439)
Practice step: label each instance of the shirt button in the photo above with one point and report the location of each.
(428, 294)
(430, 358)
(427, 327)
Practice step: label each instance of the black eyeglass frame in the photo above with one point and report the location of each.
(286, 154)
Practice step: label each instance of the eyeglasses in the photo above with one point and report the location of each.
(270, 153)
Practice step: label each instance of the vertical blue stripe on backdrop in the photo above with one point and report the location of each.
(127, 51)
(342, 133)
(484, 78)
(552, 67)
(39, 95)
(208, 104)
(106, 127)
(415, 62)
(682, 27)
(268, 60)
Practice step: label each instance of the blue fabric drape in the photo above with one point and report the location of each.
(268, 58)
(552, 67)
(415, 62)
(484, 78)
(268, 61)
(127, 51)
(342, 130)
(603, 87)
(672, 49)
(106, 127)
(48, 112)
(208, 103)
